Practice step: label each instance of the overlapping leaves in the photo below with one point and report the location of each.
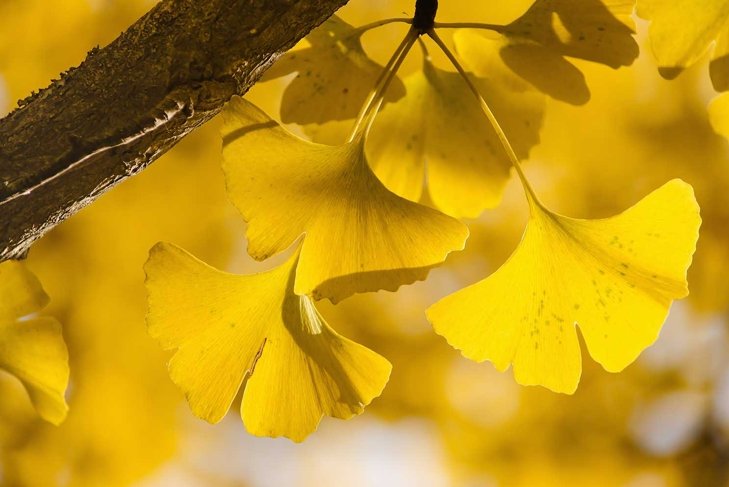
(358, 236)
(334, 76)
(436, 145)
(32, 347)
(537, 46)
(354, 219)
(254, 331)
(683, 31)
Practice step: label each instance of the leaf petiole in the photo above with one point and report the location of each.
(469, 25)
(374, 101)
(373, 25)
(528, 190)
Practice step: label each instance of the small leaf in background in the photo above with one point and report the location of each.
(359, 236)
(253, 331)
(614, 278)
(482, 55)
(682, 31)
(719, 114)
(538, 44)
(32, 348)
(334, 76)
(600, 31)
(427, 139)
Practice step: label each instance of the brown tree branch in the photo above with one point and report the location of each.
(131, 101)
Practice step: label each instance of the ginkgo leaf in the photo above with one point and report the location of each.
(719, 114)
(682, 31)
(536, 45)
(32, 348)
(594, 30)
(719, 65)
(561, 80)
(429, 136)
(493, 12)
(254, 331)
(334, 76)
(614, 278)
(359, 236)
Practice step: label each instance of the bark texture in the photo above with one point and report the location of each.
(131, 101)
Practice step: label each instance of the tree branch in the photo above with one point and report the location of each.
(131, 101)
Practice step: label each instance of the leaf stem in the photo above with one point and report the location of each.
(374, 101)
(469, 25)
(373, 25)
(423, 48)
(528, 190)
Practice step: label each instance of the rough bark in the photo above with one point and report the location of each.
(131, 101)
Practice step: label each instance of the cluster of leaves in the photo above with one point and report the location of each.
(351, 214)
(378, 207)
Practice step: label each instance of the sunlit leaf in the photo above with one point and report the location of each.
(359, 236)
(334, 76)
(438, 137)
(682, 31)
(614, 278)
(254, 331)
(32, 349)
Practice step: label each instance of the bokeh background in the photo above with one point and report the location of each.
(442, 420)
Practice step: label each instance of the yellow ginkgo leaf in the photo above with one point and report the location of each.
(682, 31)
(360, 237)
(614, 278)
(483, 55)
(334, 76)
(594, 30)
(493, 12)
(428, 136)
(719, 114)
(536, 45)
(254, 331)
(32, 348)
(719, 66)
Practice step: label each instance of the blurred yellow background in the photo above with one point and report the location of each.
(442, 420)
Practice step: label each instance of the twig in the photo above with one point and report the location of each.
(131, 101)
